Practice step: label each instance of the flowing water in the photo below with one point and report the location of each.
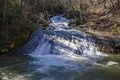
(60, 53)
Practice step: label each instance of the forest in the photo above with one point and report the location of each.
(59, 39)
(19, 18)
(24, 16)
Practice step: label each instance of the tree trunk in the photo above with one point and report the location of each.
(4, 12)
(34, 6)
(5, 20)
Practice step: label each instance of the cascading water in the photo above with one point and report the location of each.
(59, 53)
(61, 39)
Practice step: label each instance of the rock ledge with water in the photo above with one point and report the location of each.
(60, 39)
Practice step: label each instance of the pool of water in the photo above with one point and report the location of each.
(59, 68)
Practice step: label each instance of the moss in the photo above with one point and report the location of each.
(115, 29)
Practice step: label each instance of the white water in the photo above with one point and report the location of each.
(63, 46)
(60, 53)
(110, 63)
(60, 50)
(62, 39)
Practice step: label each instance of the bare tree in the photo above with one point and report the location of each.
(5, 20)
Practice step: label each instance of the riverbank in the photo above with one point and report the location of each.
(105, 30)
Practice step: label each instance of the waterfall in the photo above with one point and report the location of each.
(61, 39)
(58, 53)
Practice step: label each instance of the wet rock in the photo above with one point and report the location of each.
(105, 44)
(117, 41)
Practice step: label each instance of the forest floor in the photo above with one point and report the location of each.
(100, 24)
(106, 27)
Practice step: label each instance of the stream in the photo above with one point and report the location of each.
(60, 53)
(27, 68)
